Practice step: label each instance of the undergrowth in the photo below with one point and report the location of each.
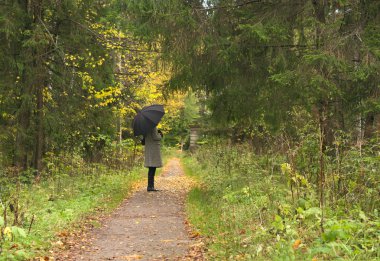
(246, 209)
(58, 203)
(33, 213)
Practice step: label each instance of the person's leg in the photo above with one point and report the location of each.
(151, 173)
(150, 177)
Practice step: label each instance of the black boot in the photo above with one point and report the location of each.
(151, 174)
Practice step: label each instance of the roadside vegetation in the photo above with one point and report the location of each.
(265, 207)
(35, 213)
(73, 76)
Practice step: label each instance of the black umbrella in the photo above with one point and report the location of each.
(147, 119)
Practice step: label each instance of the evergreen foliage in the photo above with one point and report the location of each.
(258, 60)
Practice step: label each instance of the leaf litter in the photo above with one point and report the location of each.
(147, 226)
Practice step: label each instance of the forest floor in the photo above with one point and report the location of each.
(146, 226)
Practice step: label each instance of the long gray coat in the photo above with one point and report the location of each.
(152, 149)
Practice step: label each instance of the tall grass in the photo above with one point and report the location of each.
(33, 212)
(253, 207)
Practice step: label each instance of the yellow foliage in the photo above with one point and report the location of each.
(86, 79)
(136, 74)
(47, 95)
(7, 232)
(286, 168)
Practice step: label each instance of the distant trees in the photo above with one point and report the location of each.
(260, 60)
(71, 72)
(70, 75)
(297, 78)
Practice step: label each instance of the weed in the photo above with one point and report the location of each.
(256, 207)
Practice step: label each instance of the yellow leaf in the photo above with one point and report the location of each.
(8, 232)
(296, 244)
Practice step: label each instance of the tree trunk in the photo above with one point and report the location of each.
(23, 122)
(376, 123)
(39, 81)
(39, 132)
(322, 147)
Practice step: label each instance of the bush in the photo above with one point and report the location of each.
(257, 207)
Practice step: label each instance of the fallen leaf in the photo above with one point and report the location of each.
(296, 244)
(167, 240)
(14, 246)
(132, 257)
(58, 243)
(194, 235)
(63, 234)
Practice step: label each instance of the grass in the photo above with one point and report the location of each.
(243, 208)
(225, 223)
(61, 202)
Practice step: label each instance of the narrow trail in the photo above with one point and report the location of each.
(146, 226)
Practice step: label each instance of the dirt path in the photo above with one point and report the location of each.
(147, 226)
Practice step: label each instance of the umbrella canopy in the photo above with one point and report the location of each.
(147, 119)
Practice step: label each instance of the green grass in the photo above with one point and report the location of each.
(247, 213)
(224, 219)
(61, 203)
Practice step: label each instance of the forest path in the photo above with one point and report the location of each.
(146, 226)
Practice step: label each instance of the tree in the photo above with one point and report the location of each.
(258, 60)
(69, 74)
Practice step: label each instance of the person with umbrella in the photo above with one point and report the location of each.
(145, 123)
(152, 155)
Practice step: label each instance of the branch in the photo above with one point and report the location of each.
(229, 6)
(289, 45)
(123, 44)
(61, 54)
(277, 45)
(233, 6)
(125, 74)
